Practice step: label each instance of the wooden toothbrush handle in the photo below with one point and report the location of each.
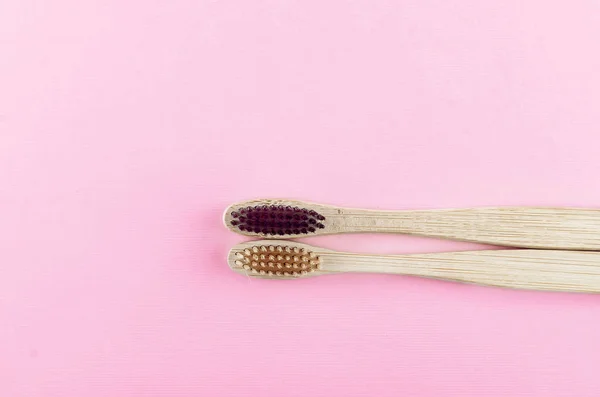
(550, 270)
(526, 227)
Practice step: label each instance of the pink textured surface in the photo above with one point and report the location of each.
(126, 127)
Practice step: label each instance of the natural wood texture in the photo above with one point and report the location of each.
(545, 270)
(526, 227)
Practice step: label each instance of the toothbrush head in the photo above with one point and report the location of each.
(274, 259)
(275, 220)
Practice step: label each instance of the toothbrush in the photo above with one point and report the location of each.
(525, 227)
(544, 270)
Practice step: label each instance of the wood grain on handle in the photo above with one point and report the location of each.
(524, 227)
(545, 270)
(522, 269)
(527, 227)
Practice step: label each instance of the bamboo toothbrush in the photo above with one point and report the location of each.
(526, 227)
(548, 270)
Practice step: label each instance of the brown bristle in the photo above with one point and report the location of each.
(277, 220)
(294, 263)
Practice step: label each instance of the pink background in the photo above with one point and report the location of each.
(126, 127)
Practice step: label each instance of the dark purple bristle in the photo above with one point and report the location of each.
(281, 220)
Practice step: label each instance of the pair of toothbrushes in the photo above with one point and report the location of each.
(555, 245)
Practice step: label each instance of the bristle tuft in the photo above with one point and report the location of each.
(276, 220)
(281, 261)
